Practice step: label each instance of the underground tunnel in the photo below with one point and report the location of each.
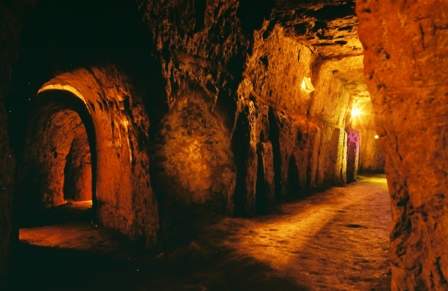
(223, 145)
(57, 162)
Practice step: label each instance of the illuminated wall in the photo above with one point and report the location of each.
(124, 197)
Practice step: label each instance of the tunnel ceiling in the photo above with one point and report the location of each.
(329, 26)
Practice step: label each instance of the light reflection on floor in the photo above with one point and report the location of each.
(337, 239)
(68, 227)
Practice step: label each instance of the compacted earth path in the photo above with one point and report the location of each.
(333, 240)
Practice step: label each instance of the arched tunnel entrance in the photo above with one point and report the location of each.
(58, 163)
(84, 134)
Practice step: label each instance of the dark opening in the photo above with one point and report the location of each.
(261, 198)
(240, 145)
(78, 170)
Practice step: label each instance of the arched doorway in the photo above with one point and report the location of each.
(58, 161)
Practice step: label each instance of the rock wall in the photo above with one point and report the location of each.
(249, 75)
(271, 121)
(201, 48)
(371, 152)
(300, 130)
(330, 109)
(199, 43)
(406, 66)
(192, 167)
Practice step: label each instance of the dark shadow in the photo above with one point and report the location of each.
(65, 36)
(200, 266)
(274, 136)
(251, 16)
(353, 144)
(240, 147)
(261, 198)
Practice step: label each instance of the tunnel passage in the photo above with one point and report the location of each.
(78, 169)
(117, 135)
(352, 155)
(289, 81)
(192, 168)
(58, 156)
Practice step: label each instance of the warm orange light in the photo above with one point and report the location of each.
(356, 112)
(376, 136)
(306, 85)
(62, 87)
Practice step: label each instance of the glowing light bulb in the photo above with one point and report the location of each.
(376, 136)
(306, 85)
(356, 112)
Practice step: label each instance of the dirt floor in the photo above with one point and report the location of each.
(333, 240)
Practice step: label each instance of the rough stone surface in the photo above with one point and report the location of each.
(331, 26)
(120, 128)
(197, 44)
(406, 66)
(192, 166)
(195, 146)
(306, 130)
(53, 162)
(271, 101)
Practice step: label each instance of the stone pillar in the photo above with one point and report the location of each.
(406, 66)
(352, 155)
